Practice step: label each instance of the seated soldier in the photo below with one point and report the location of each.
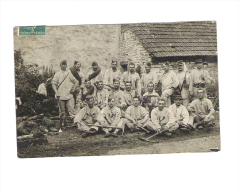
(101, 96)
(89, 118)
(137, 117)
(201, 110)
(112, 117)
(150, 98)
(88, 89)
(128, 96)
(117, 94)
(163, 119)
(180, 113)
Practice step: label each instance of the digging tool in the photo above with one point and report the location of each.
(137, 126)
(147, 139)
(113, 127)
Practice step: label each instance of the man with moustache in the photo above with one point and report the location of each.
(79, 75)
(117, 94)
(101, 95)
(184, 81)
(147, 77)
(133, 77)
(89, 118)
(202, 111)
(112, 117)
(111, 74)
(64, 85)
(199, 78)
(169, 82)
(137, 117)
(163, 119)
(180, 113)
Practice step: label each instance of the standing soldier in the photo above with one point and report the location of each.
(169, 82)
(64, 85)
(198, 79)
(101, 96)
(148, 76)
(79, 75)
(111, 74)
(133, 77)
(184, 81)
(95, 74)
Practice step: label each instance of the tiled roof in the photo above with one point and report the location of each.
(176, 39)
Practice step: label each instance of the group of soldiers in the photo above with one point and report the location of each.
(114, 101)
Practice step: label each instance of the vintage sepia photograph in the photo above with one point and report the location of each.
(116, 89)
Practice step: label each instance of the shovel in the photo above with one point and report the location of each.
(147, 139)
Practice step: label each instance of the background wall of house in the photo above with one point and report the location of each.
(86, 43)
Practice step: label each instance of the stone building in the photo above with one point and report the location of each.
(161, 42)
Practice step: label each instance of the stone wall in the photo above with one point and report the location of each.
(86, 43)
(131, 49)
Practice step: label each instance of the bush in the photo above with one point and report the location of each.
(27, 80)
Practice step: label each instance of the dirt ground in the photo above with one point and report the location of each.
(70, 143)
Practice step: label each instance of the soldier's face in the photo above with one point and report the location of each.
(132, 68)
(199, 66)
(95, 66)
(100, 85)
(200, 94)
(147, 69)
(161, 105)
(63, 66)
(128, 86)
(150, 87)
(87, 84)
(77, 66)
(111, 103)
(116, 84)
(166, 68)
(136, 102)
(178, 102)
(114, 65)
(90, 102)
(180, 67)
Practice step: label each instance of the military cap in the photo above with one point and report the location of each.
(176, 97)
(199, 61)
(167, 63)
(116, 79)
(180, 62)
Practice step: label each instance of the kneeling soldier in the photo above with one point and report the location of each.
(163, 119)
(202, 110)
(112, 115)
(89, 118)
(180, 113)
(137, 117)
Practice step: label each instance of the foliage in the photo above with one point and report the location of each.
(27, 80)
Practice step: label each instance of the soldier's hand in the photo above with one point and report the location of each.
(72, 91)
(165, 128)
(158, 130)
